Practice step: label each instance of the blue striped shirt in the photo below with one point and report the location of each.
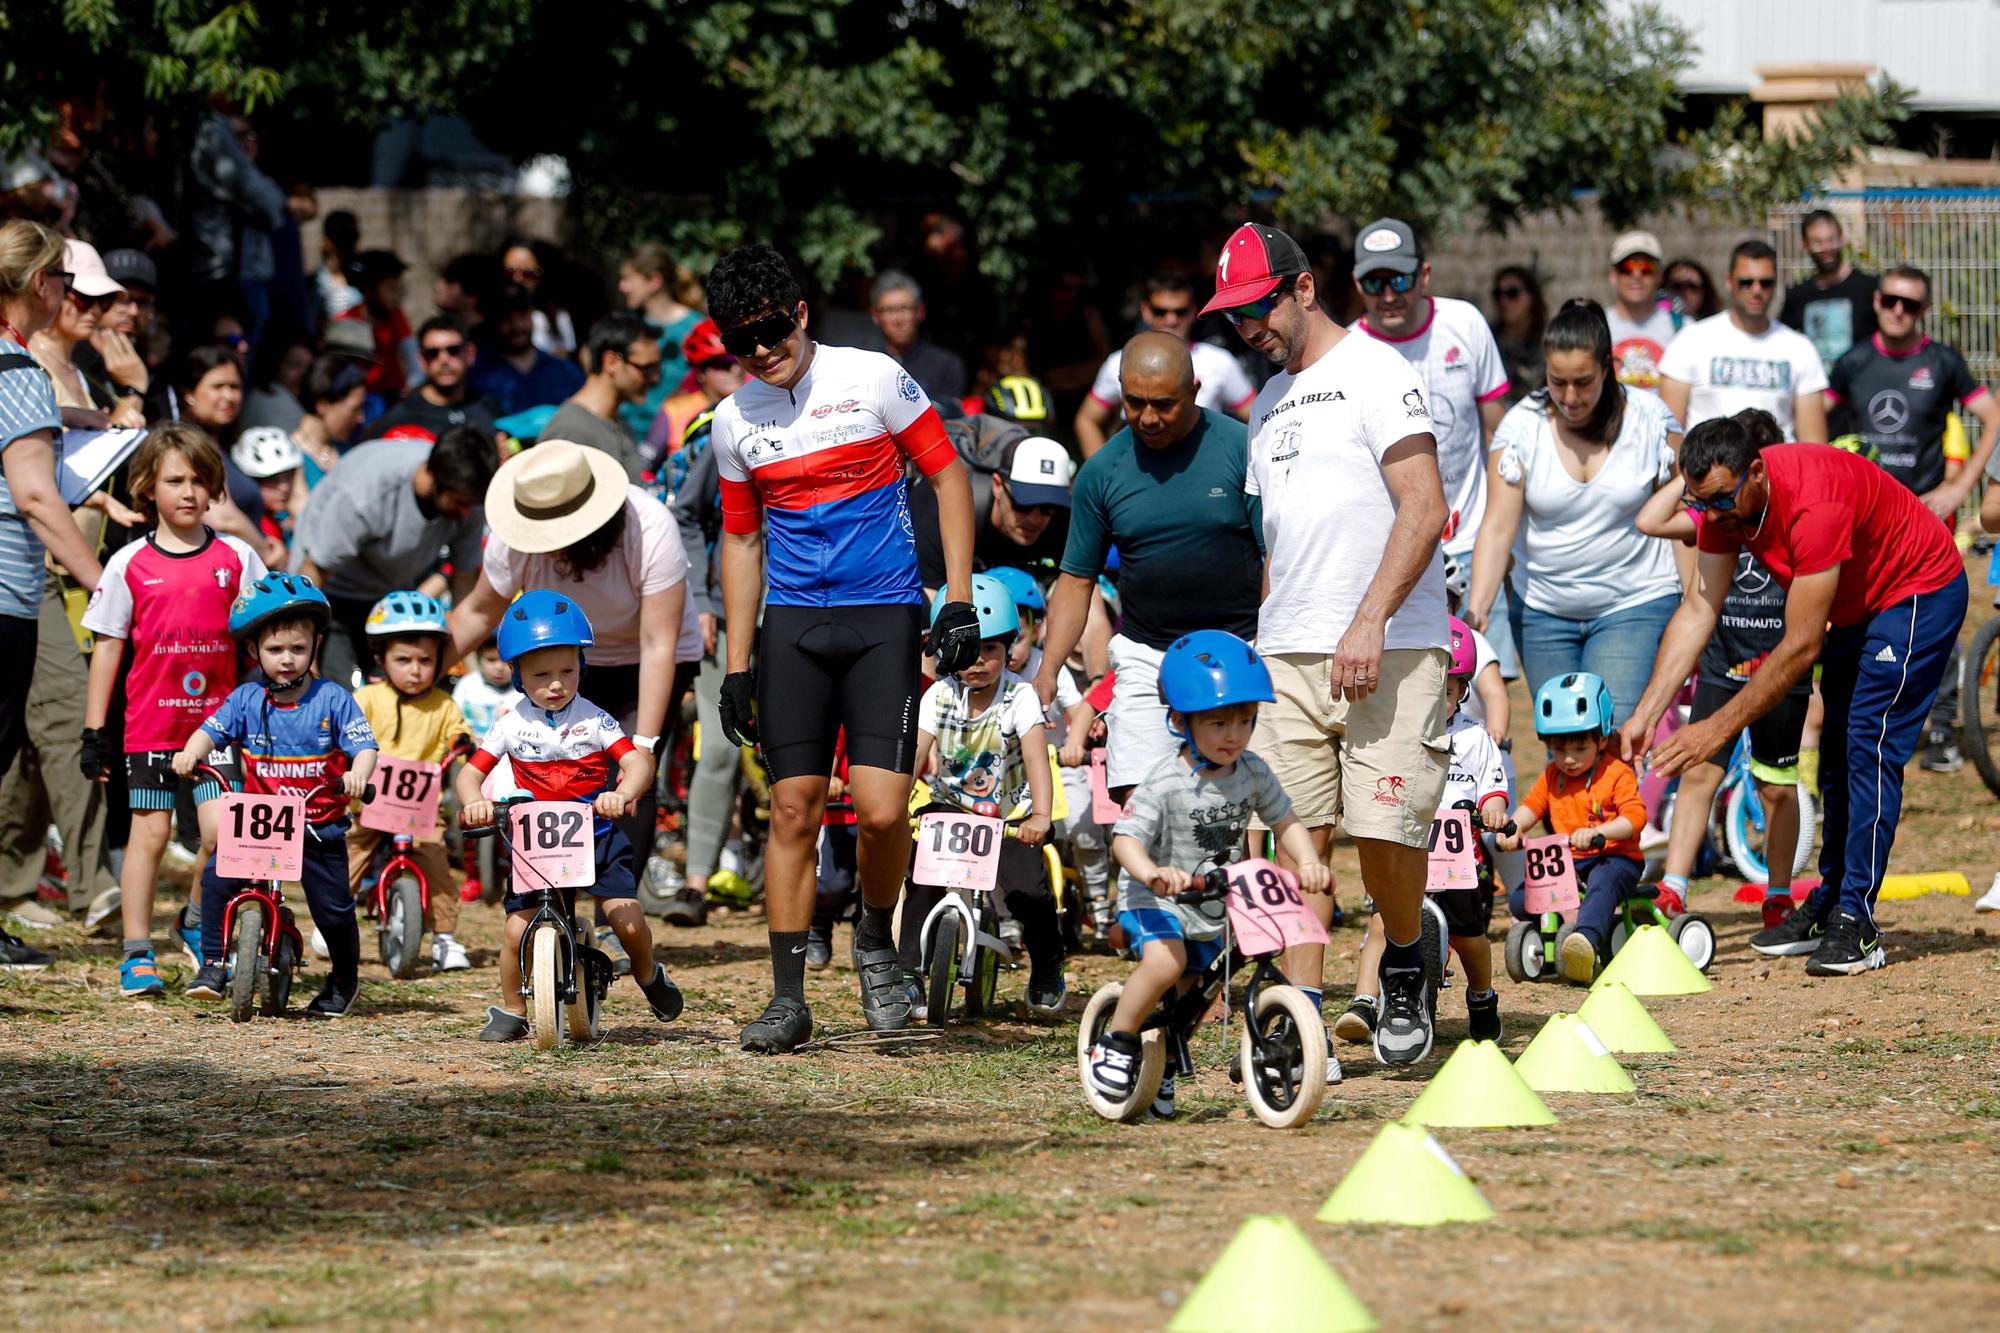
(27, 404)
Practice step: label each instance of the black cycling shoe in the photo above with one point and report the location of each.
(662, 994)
(503, 1026)
(784, 1026)
(885, 1000)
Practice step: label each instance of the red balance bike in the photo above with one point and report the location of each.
(406, 799)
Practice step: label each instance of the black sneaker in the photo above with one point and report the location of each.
(1357, 1024)
(1847, 948)
(819, 948)
(1941, 753)
(1163, 1100)
(1403, 1034)
(17, 955)
(1482, 1017)
(1799, 933)
(885, 1000)
(209, 982)
(784, 1026)
(662, 994)
(503, 1026)
(688, 907)
(333, 1001)
(1046, 997)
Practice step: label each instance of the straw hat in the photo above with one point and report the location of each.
(554, 495)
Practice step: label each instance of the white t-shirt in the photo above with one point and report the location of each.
(1731, 370)
(1577, 554)
(1636, 347)
(979, 758)
(1460, 366)
(1068, 696)
(1478, 769)
(1225, 386)
(649, 559)
(1316, 446)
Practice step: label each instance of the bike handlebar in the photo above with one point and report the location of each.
(500, 809)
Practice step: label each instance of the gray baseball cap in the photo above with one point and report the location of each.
(1387, 244)
(132, 268)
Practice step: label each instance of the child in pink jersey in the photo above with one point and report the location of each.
(165, 599)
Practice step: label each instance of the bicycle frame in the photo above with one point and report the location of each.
(555, 907)
(269, 892)
(1179, 1016)
(961, 902)
(399, 861)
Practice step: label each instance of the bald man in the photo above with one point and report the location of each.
(1167, 491)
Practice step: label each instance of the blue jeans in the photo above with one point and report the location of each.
(1619, 647)
(1877, 681)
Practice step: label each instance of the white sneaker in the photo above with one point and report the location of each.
(105, 905)
(1991, 902)
(32, 915)
(448, 955)
(319, 945)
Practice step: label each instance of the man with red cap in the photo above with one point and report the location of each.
(1353, 624)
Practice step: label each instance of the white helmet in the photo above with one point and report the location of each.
(1454, 572)
(265, 451)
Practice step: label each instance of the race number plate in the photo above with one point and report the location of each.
(956, 850)
(1551, 878)
(1103, 810)
(553, 845)
(1453, 865)
(1267, 911)
(261, 837)
(406, 798)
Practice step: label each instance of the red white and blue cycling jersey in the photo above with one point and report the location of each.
(557, 756)
(823, 463)
(302, 748)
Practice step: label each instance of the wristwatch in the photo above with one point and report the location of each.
(647, 743)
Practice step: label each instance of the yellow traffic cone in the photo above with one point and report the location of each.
(1271, 1277)
(1899, 888)
(1621, 1022)
(1651, 963)
(1405, 1178)
(1566, 1056)
(1478, 1089)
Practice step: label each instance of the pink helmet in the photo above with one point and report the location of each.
(1464, 649)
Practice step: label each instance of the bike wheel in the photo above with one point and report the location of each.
(278, 986)
(941, 968)
(245, 981)
(1287, 1080)
(584, 1014)
(543, 1014)
(1152, 1060)
(985, 981)
(402, 930)
(1747, 833)
(1525, 960)
(1696, 938)
(1979, 703)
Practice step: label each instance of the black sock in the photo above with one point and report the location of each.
(788, 964)
(873, 930)
(1401, 957)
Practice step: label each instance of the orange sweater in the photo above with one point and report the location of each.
(1609, 790)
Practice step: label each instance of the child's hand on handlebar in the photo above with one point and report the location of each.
(1034, 831)
(1507, 842)
(1169, 881)
(352, 783)
(1315, 877)
(1494, 817)
(612, 806)
(1582, 838)
(1071, 754)
(476, 814)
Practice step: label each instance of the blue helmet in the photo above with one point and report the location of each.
(542, 619)
(1022, 586)
(277, 596)
(406, 613)
(995, 604)
(1572, 705)
(1212, 668)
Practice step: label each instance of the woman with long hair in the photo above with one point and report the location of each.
(207, 390)
(668, 298)
(1692, 290)
(1519, 316)
(1570, 468)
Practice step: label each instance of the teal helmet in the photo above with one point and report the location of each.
(1573, 705)
(1021, 584)
(995, 604)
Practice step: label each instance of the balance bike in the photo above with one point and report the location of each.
(1534, 946)
(1283, 1047)
(963, 946)
(564, 976)
(399, 905)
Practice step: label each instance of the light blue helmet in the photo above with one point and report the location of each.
(406, 613)
(1573, 705)
(277, 595)
(1022, 586)
(995, 604)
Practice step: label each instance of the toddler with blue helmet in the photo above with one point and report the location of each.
(561, 746)
(1591, 797)
(982, 746)
(1192, 809)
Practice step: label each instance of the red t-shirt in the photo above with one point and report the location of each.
(1829, 507)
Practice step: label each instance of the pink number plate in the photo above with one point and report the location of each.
(956, 850)
(1551, 879)
(1103, 810)
(1267, 911)
(553, 845)
(262, 837)
(406, 798)
(1453, 865)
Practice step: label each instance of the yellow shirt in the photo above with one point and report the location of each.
(420, 728)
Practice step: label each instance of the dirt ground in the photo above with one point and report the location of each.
(1817, 1152)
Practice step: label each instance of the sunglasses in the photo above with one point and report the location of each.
(1261, 308)
(1169, 311)
(648, 370)
(456, 351)
(236, 340)
(1721, 504)
(91, 302)
(1686, 284)
(766, 333)
(1374, 283)
(1509, 293)
(1644, 267)
(1909, 305)
(1760, 284)
(519, 273)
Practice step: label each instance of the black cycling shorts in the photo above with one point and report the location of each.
(821, 668)
(1774, 737)
(1465, 911)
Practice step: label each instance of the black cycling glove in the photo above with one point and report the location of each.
(955, 638)
(737, 705)
(91, 757)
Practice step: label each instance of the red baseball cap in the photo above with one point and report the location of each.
(1252, 265)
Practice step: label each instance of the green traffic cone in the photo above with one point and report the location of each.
(1478, 1089)
(1270, 1277)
